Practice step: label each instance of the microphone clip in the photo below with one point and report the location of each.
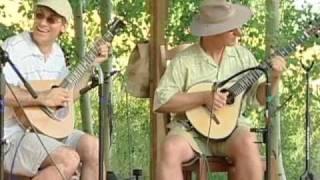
(4, 57)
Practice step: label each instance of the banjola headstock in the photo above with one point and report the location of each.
(313, 27)
(114, 27)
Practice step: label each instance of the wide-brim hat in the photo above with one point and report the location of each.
(218, 16)
(61, 7)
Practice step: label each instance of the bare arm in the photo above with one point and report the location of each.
(261, 91)
(24, 97)
(51, 98)
(278, 66)
(182, 102)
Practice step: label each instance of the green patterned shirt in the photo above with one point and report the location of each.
(193, 65)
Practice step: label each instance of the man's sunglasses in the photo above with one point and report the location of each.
(52, 19)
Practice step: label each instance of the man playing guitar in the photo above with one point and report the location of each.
(38, 56)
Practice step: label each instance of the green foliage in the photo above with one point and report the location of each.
(131, 127)
(180, 14)
(6, 31)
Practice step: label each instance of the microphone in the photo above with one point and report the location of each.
(95, 81)
(5, 141)
(3, 56)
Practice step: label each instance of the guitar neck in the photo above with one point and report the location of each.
(251, 77)
(84, 66)
(75, 76)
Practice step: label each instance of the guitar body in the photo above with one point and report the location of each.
(58, 122)
(56, 128)
(227, 117)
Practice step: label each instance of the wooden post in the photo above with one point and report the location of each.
(159, 11)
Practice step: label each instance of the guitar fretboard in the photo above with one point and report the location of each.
(75, 76)
(82, 67)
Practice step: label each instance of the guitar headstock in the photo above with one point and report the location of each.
(314, 28)
(115, 27)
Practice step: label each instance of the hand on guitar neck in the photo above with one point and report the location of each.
(278, 66)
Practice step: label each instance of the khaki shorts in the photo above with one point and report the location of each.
(199, 143)
(26, 160)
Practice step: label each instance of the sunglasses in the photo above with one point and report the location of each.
(52, 19)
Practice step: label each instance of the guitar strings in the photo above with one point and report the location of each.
(27, 130)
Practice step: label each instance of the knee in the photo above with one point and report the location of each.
(89, 149)
(168, 149)
(245, 146)
(70, 160)
(176, 150)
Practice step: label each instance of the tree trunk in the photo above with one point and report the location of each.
(80, 51)
(105, 15)
(272, 27)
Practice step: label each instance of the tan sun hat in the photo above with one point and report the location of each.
(218, 16)
(61, 7)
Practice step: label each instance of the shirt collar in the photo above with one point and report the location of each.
(35, 49)
(228, 53)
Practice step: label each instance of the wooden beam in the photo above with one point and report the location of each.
(159, 11)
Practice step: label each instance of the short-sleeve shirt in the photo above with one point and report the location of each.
(193, 66)
(33, 65)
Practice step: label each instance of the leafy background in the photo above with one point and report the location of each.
(130, 147)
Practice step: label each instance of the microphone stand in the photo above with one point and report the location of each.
(2, 93)
(95, 81)
(102, 101)
(4, 58)
(100, 81)
(307, 175)
(267, 130)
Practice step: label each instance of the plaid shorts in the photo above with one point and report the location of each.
(25, 159)
(200, 143)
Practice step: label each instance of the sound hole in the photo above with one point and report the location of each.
(62, 112)
(230, 97)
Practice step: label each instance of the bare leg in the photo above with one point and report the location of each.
(88, 150)
(174, 151)
(245, 155)
(67, 160)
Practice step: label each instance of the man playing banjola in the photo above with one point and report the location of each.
(186, 87)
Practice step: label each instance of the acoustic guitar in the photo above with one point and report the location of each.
(59, 122)
(220, 124)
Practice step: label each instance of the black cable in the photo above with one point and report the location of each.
(220, 84)
(128, 134)
(9, 146)
(15, 154)
(35, 132)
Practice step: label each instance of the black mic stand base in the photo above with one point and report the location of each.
(307, 176)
